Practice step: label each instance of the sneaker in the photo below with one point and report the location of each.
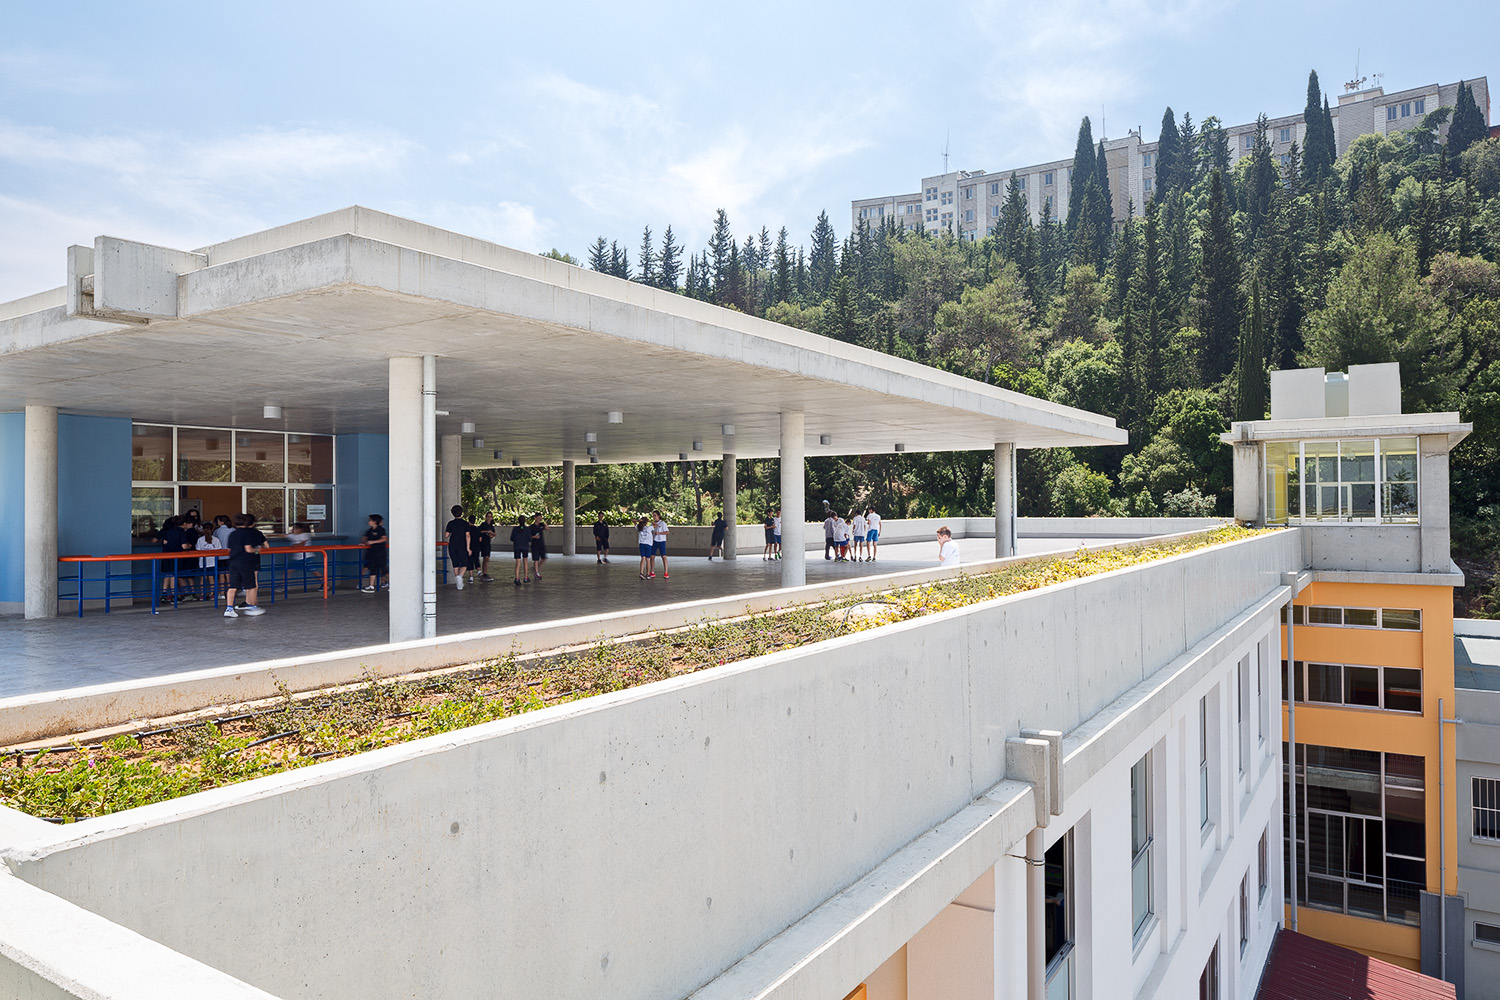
(231, 613)
(643, 576)
(652, 576)
(367, 590)
(487, 578)
(254, 610)
(518, 583)
(459, 582)
(606, 558)
(666, 576)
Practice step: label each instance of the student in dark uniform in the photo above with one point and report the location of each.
(245, 543)
(486, 543)
(601, 540)
(520, 547)
(174, 538)
(457, 535)
(716, 546)
(538, 544)
(377, 546)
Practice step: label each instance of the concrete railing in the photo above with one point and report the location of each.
(634, 845)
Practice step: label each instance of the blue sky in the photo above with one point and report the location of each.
(547, 124)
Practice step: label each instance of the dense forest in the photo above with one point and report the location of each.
(1169, 321)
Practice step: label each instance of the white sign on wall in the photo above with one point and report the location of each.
(317, 511)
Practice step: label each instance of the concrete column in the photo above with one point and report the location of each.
(1005, 500)
(793, 500)
(731, 506)
(1036, 915)
(570, 508)
(1249, 481)
(409, 530)
(429, 494)
(451, 455)
(40, 503)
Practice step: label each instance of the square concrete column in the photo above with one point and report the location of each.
(1005, 500)
(409, 528)
(1249, 481)
(570, 508)
(40, 504)
(793, 500)
(450, 493)
(731, 506)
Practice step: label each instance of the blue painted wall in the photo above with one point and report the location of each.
(12, 511)
(93, 492)
(362, 474)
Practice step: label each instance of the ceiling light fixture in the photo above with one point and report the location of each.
(616, 417)
(270, 412)
(515, 461)
(467, 427)
(727, 430)
(825, 439)
(900, 447)
(479, 442)
(593, 452)
(697, 445)
(590, 436)
(499, 454)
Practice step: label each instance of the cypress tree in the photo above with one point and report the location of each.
(1147, 290)
(1104, 218)
(1187, 158)
(1168, 155)
(690, 288)
(1220, 269)
(1014, 217)
(1126, 252)
(669, 266)
(1250, 397)
(1468, 123)
(1082, 173)
(1262, 181)
(781, 282)
(1316, 163)
(1327, 136)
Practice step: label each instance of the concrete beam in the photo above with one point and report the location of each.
(793, 499)
(570, 509)
(41, 511)
(408, 530)
(731, 506)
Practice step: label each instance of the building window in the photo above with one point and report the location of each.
(1284, 134)
(931, 194)
(1058, 879)
(1070, 175)
(1146, 160)
(1419, 107)
(1146, 184)
(1390, 113)
(968, 194)
(947, 218)
(1140, 844)
(1406, 109)
(1285, 159)
(1487, 808)
(1262, 703)
(1486, 933)
(1391, 689)
(1357, 481)
(1208, 982)
(995, 188)
(947, 198)
(994, 211)
(1247, 142)
(1361, 832)
(1401, 619)
(1241, 688)
(1021, 183)
(1263, 865)
(932, 215)
(1203, 809)
(1244, 913)
(1047, 178)
(968, 215)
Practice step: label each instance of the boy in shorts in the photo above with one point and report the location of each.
(457, 536)
(601, 540)
(376, 548)
(245, 543)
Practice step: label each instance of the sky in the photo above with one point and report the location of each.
(545, 125)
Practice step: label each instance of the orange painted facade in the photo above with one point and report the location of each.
(1431, 651)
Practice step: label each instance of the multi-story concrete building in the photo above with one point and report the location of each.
(1370, 817)
(968, 201)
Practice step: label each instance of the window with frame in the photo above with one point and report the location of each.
(1208, 982)
(1147, 159)
(1284, 134)
(1047, 178)
(1350, 685)
(1486, 933)
(1361, 832)
(1203, 810)
(1057, 878)
(1247, 142)
(1419, 107)
(968, 194)
(1146, 184)
(1390, 113)
(1049, 202)
(968, 215)
(1021, 183)
(994, 211)
(947, 218)
(1244, 912)
(932, 215)
(1263, 865)
(1140, 845)
(1241, 689)
(1486, 803)
(1401, 619)
(995, 188)
(947, 198)
(1405, 109)
(1360, 481)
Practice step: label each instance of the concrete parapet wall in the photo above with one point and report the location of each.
(637, 844)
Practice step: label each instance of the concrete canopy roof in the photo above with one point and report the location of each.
(535, 352)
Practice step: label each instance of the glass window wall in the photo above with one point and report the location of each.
(1358, 481)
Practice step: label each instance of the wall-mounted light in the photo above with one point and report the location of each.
(440, 413)
(479, 442)
(593, 459)
(515, 461)
(825, 439)
(593, 452)
(499, 454)
(590, 436)
(682, 456)
(697, 445)
(616, 417)
(727, 430)
(900, 447)
(467, 427)
(271, 412)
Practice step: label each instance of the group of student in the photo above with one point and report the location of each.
(860, 532)
(470, 545)
(201, 575)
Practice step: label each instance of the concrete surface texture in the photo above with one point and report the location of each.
(639, 844)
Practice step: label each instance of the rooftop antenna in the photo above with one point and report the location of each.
(1103, 124)
(946, 136)
(1358, 81)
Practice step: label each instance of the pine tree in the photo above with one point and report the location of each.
(1262, 182)
(1049, 258)
(731, 292)
(1168, 155)
(669, 266)
(1316, 163)
(1127, 250)
(1147, 291)
(619, 261)
(1220, 315)
(1468, 122)
(599, 256)
(1250, 397)
(1187, 170)
(690, 287)
(1082, 173)
(782, 282)
(823, 262)
(1104, 211)
(647, 259)
(1014, 217)
(719, 246)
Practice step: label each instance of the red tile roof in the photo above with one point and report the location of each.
(1304, 968)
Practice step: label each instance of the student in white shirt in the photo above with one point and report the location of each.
(858, 526)
(947, 549)
(645, 540)
(659, 531)
(776, 534)
(872, 531)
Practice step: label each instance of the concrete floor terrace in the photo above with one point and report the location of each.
(130, 643)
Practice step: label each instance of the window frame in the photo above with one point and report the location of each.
(1142, 798)
(1302, 686)
(1282, 492)
(1489, 813)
